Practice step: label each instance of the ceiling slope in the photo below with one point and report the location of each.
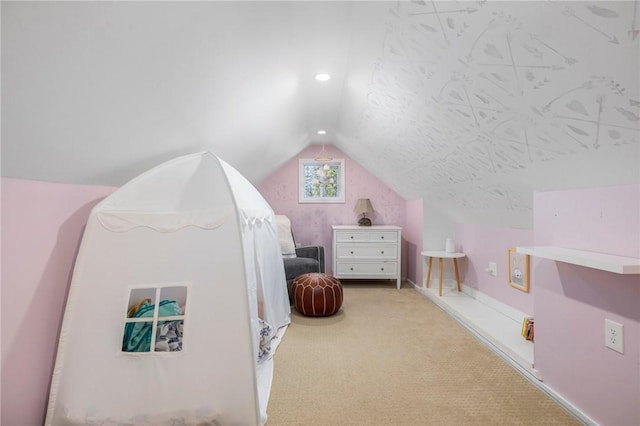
(469, 105)
(97, 92)
(475, 105)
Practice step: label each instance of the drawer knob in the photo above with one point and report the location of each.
(382, 269)
(351, 268)
(382, 238)
(351, 237)
(382, 252)
(351, 251)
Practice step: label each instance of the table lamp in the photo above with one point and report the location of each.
(363, 206)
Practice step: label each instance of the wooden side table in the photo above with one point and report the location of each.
(441, 255)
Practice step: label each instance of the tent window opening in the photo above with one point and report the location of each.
(154, 319)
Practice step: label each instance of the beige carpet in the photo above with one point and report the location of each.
(392, 357)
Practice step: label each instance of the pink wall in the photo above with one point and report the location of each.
(312, 222)
(42, 224)
(605, 220)
(572, 302)
(484, 244)
(413, 235)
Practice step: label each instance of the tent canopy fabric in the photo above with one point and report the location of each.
(194, 233)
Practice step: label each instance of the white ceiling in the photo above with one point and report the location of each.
(469, 105)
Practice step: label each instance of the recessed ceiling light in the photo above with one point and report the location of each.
(322, 132)
(323, 77)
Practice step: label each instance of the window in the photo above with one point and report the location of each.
(155, 318)
(321, 182)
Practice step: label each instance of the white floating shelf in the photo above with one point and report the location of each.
(605, 262)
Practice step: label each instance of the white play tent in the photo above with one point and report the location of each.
(162, 323)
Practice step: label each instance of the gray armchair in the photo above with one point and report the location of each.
(308, 259)
(305, 260)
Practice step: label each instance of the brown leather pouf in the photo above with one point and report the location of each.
(317, 295)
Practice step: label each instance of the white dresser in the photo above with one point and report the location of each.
(367, 252)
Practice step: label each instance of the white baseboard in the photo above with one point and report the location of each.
(504, 309)
(525, 369)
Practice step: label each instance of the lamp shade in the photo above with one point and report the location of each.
(363, 205)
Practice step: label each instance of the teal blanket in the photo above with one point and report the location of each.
(137, 335)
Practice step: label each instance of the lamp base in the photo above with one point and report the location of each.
(365, 221)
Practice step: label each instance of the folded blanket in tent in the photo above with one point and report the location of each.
(169, 336)
(137, 335)
(266, 334)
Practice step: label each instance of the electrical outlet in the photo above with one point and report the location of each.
(492, 269)
(614, 335)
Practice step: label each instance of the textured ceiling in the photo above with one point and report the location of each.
(469, 105)
(475, 105)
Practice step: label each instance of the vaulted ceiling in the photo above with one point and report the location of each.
(469, 105)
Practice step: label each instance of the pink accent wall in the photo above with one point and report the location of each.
(605, 220)
(42, 224)
(312, 222)
(572, 302)
(413, 235)
(483, 244)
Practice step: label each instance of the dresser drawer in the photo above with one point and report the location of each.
(344, 236)
(369, 269)
(378, 251)
(367, 252)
